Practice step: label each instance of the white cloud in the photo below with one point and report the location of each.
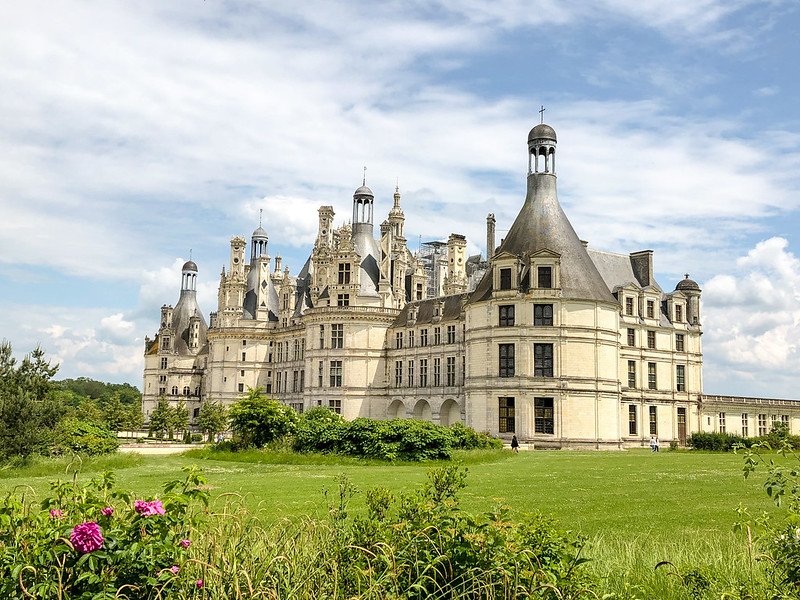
(767, 91)
(752, 323)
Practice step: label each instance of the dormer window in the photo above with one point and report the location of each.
(678, 313)
(344, 274)
(651, 309)
(505, 279)
(544, 277)
(629, 306)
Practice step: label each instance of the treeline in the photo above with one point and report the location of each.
(41, 416)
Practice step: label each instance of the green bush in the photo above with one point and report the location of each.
(85, 437)
(322, 430)
(719, 442)
(258, 420)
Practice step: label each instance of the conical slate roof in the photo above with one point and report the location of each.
(542, 225)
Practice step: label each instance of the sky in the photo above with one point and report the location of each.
(136, 132)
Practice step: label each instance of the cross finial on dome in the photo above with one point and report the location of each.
(364, 181)
(260, 214)
(687, 275)
(190, 254)
(541, 113)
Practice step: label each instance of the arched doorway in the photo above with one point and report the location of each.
(397, 410)
(449, 413)
(422, 411)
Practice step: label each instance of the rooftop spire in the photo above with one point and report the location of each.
(541, 113)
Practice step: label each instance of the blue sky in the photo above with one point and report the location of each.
(134, 131)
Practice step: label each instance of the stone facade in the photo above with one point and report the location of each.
(562, 344)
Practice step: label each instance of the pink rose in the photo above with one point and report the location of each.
(174, 569)
(185, 543)
(56, 514)
(107, 511)
(149, 509)
(199, 583)
(86, 537)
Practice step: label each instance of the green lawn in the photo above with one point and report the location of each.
(636, 508)
(666, 495)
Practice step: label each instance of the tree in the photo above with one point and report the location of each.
(213, 418)
(115, 415)
(162, 418)
(28, 412)
(180, 418)
(260, 420)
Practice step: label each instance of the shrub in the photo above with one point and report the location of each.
(73, 435)
(720, 442)
(258, 420)
(322, 430)
(196, 438)
(96, 542)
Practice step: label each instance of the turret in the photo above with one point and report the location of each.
(692, 291)
(456, 280)
(490, 233)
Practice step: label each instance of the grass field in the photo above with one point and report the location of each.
(636, 508)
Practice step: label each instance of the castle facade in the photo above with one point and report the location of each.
(546, 338)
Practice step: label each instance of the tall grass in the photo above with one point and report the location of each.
(38, 466)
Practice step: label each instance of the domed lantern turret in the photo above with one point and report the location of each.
(542, 143)
(189, 276)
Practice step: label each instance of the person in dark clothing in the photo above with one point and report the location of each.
(514, 444)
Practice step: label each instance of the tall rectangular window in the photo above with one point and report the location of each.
(297, 349)
(680, 378)
(506, 409)
(244, 356)
(337, 335)
(437, 336)
(279, 381)
(762, 424)
(651, 339)
(410, 374)
(295, 381)
(679, 342)
(164, 362)
(633, 429)
(322, 336)
(302, 379)
(678, 313)
(631, 337)
(745, 425)
(423, 372)
(629, 306)
(651, 376)
(721, 422)
(505, 279)
(335, 405)
(653, 421)
(543, 415)
(543, 360)
(336, 373)
(451, 370)
(507, 316)
(320, 373)
(543, 315)
(437, 372)
(344, 273)
(398, 373)
(423, 337)
(411, 339)
(545, 277)
(398, 339)
(651, 309)
(506, 352)
(632, 374)
(451, 334)
(419, 291)
(280, 351)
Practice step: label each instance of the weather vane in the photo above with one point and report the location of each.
(541, 112)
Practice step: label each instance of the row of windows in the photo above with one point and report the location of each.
(542, 315)
(761, 423)
(650, 309)
(680, 376)
(409, 339)
(680, 340)
(543, 415)
(162, 391)
(544, 278)
(633, 425)
(422, 379)
(282, 382)
(542, 360)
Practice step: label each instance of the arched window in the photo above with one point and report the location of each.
(174, 390)
(186, 391)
